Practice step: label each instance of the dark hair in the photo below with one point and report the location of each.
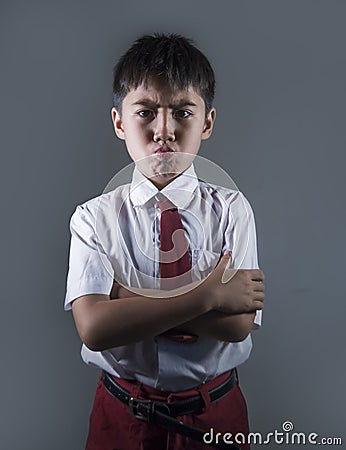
(171, 56)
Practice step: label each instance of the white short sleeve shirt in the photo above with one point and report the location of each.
(117, 236)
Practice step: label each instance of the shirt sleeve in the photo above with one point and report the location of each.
(90, 271)
(240, 238)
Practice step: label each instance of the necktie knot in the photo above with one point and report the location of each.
(166, 205)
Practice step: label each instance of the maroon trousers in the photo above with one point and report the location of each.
(112, 427)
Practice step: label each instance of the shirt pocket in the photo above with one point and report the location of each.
(203, 262)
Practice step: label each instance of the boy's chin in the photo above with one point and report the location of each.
(160, 181)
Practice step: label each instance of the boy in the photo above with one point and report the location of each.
(167, 342)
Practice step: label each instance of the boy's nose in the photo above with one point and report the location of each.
(164, 128)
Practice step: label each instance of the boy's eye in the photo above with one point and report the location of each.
(182, 114)
(145, 113)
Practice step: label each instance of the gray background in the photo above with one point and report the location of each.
(280, 133)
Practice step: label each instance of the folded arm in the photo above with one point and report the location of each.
(216, 324)
(103, 323)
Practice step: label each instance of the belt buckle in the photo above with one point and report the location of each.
(133, 405)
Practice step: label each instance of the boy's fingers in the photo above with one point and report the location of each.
(227, 272)
(257, 275)
(259, 286)
(225, 260)
(228, 253)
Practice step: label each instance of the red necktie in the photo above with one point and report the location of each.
(174, 256)
(175, 264)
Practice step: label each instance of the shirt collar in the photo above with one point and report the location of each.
(179, 191)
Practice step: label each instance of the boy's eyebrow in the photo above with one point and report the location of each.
(151, 104)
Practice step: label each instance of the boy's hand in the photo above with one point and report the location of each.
(235, 291)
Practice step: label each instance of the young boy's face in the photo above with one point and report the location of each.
(164, 127)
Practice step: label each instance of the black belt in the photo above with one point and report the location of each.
(163, 413)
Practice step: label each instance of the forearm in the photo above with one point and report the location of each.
(215, 324)
(110, 323)
(221, 326)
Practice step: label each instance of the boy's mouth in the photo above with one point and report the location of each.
(163, 149)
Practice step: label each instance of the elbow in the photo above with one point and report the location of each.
(90, 324)
(90, 336)
(93, 345)
(95, 339)
(236, 337)
(240, 330)
(239, 337)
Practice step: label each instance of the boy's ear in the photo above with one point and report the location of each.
(117, 123)
(209, 123)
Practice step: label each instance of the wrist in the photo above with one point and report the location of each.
(206, 294)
